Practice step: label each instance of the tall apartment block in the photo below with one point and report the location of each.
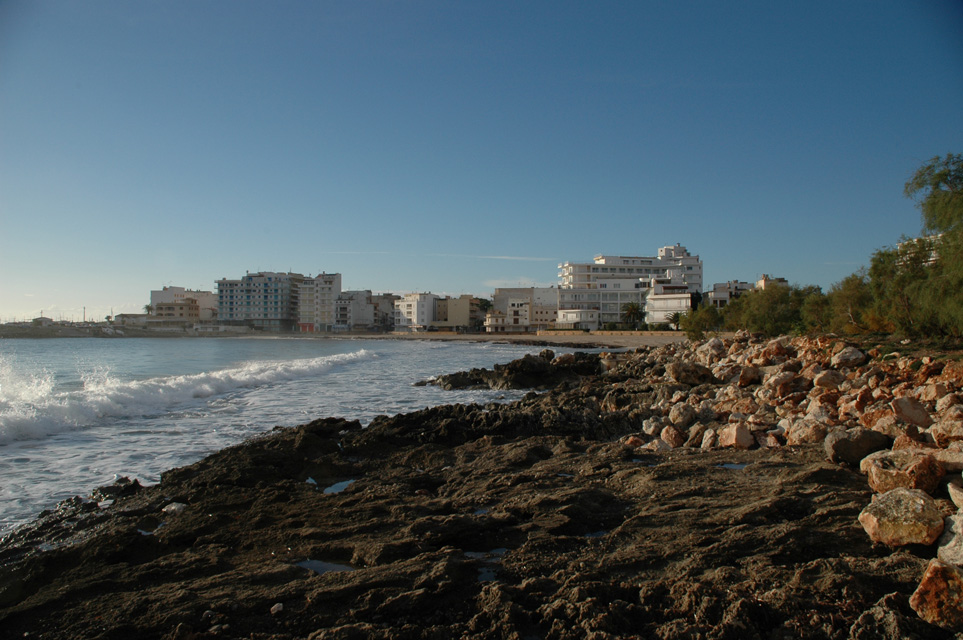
(318, 300)
(265, 300)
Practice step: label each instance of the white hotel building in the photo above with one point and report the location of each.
(593, 294)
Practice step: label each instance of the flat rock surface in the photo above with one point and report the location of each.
(487, 532)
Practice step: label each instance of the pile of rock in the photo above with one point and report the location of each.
(898, 419)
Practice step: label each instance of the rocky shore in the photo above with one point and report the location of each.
(739, 488)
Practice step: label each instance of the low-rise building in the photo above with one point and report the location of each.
(522, 309)
(206, 301)
(722, 293)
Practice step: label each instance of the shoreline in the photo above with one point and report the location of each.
(601, 340)
(682, 491)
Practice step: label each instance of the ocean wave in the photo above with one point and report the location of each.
(31, 407)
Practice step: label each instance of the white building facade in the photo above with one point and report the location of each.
(415, 311)
(606, 285)
(316, 304)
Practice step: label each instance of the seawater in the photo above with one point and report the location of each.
(77, 413)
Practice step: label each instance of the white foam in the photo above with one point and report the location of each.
(31, 407)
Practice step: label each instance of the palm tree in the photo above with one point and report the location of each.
(148, 309)
(632, 314)
(674, 319)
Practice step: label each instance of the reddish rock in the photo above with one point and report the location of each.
(910, 410)
(939, 598)
(902, 516)
(633, 442)
(871, 417)
(933, 392)
(946, 431)
(672, 437)
(829, 379)
(907, 468)
(749, 376)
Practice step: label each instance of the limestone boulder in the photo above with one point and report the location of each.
(950, 544)
(947, 401)
(806, 431)
(933, 392)
(690, 373)
(710, 439)
(939, 597)
(850, 446)
(901, 517)
(682, 415)
(711, 352)
(912, 411)
(946, 431)
(848, 358)
(907, 468)
(736, 436)
(829, 379)
(749, 376)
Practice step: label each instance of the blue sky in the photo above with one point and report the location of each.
(455, 147)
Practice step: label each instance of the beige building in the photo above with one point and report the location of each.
(317, 300)
(522, 309)
(206, 302)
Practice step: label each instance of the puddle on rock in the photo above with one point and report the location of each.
(321, 567)
(487, 572)
(597, 534)
(338, 487)
(735, 466)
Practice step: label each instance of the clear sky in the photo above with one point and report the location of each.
(455, 147)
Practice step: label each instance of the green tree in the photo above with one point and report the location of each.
(773, 311)
(148, 308)
(849, 307)
(633, 314)
(699, 321)
(937, 188)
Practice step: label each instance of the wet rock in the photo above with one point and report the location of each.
(939, 597)
(850, 446)
(907, 468)
(901, 517)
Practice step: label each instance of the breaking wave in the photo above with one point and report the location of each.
(32, 407)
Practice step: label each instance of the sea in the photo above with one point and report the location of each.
(78, 413)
